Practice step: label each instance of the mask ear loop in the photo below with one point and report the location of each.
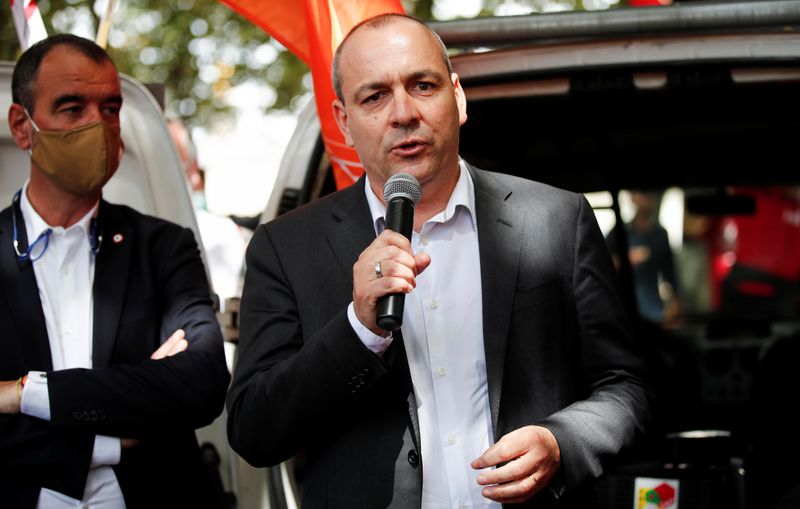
(33, 124)
(36, 127)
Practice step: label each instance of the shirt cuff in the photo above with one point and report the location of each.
(376, 344)
(35, 396)
(107, 451)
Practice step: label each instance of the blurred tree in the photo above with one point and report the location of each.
(200, 49)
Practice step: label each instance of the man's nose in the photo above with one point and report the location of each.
(93, 114)
(404, 110)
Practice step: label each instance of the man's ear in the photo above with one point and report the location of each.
(340, 114)
(461, 99)
(20, 126)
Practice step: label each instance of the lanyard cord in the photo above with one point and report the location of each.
(95, 237)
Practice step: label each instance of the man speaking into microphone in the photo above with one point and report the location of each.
(513, 378)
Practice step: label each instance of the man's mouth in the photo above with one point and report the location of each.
(409, 148)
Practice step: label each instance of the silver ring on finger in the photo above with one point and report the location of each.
(378, 271)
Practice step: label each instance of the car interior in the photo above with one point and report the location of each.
(711, 142)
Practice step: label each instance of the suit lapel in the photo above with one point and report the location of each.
(499, 235)
(21, 294)
(352, 231)
(110, 282)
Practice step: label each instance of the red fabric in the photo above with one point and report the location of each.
(756, 288)
(30, 9)
(770, 239)
(648, 3)
(312, 29)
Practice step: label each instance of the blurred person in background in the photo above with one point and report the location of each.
(652, 260)
(693, 262)
(223, 240)
(110, 353)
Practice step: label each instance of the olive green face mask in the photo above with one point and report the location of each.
(78, 161)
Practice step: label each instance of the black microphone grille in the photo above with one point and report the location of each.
(402, 185)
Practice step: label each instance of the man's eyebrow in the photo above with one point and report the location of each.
(78, 98)
(68, 98)
(369, 87)
(426, 73)
(377, 85)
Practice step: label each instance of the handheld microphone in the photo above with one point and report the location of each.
(401, 193)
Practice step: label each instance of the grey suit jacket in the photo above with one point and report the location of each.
(559, 349)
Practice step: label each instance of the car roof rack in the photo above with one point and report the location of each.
(717, 16)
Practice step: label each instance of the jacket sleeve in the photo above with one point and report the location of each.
(136, 395)
(289, 386)
(616, 411)
(33, 455)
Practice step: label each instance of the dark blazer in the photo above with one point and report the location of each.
(149, 281)
(559, 350)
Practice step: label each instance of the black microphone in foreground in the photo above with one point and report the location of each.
(401, 193)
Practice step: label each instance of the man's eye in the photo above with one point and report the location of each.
(373, 98)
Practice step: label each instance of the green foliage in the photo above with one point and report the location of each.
(422, 9)
(198, 49)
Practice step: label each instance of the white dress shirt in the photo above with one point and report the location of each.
(65, 275)
(443, 335)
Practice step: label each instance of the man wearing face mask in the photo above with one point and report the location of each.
(110, 353)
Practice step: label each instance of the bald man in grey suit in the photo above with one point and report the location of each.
(514, 378)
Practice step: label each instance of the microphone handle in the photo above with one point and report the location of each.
(399, 218)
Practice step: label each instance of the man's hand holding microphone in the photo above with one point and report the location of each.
(387, 269)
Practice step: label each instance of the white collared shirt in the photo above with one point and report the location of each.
(65, 276)
(443, 335)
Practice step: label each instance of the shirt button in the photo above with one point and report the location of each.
(442, 371)
(424, 240)
(451, 439)
(433, 304)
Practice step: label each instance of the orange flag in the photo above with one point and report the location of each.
(312, 30)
